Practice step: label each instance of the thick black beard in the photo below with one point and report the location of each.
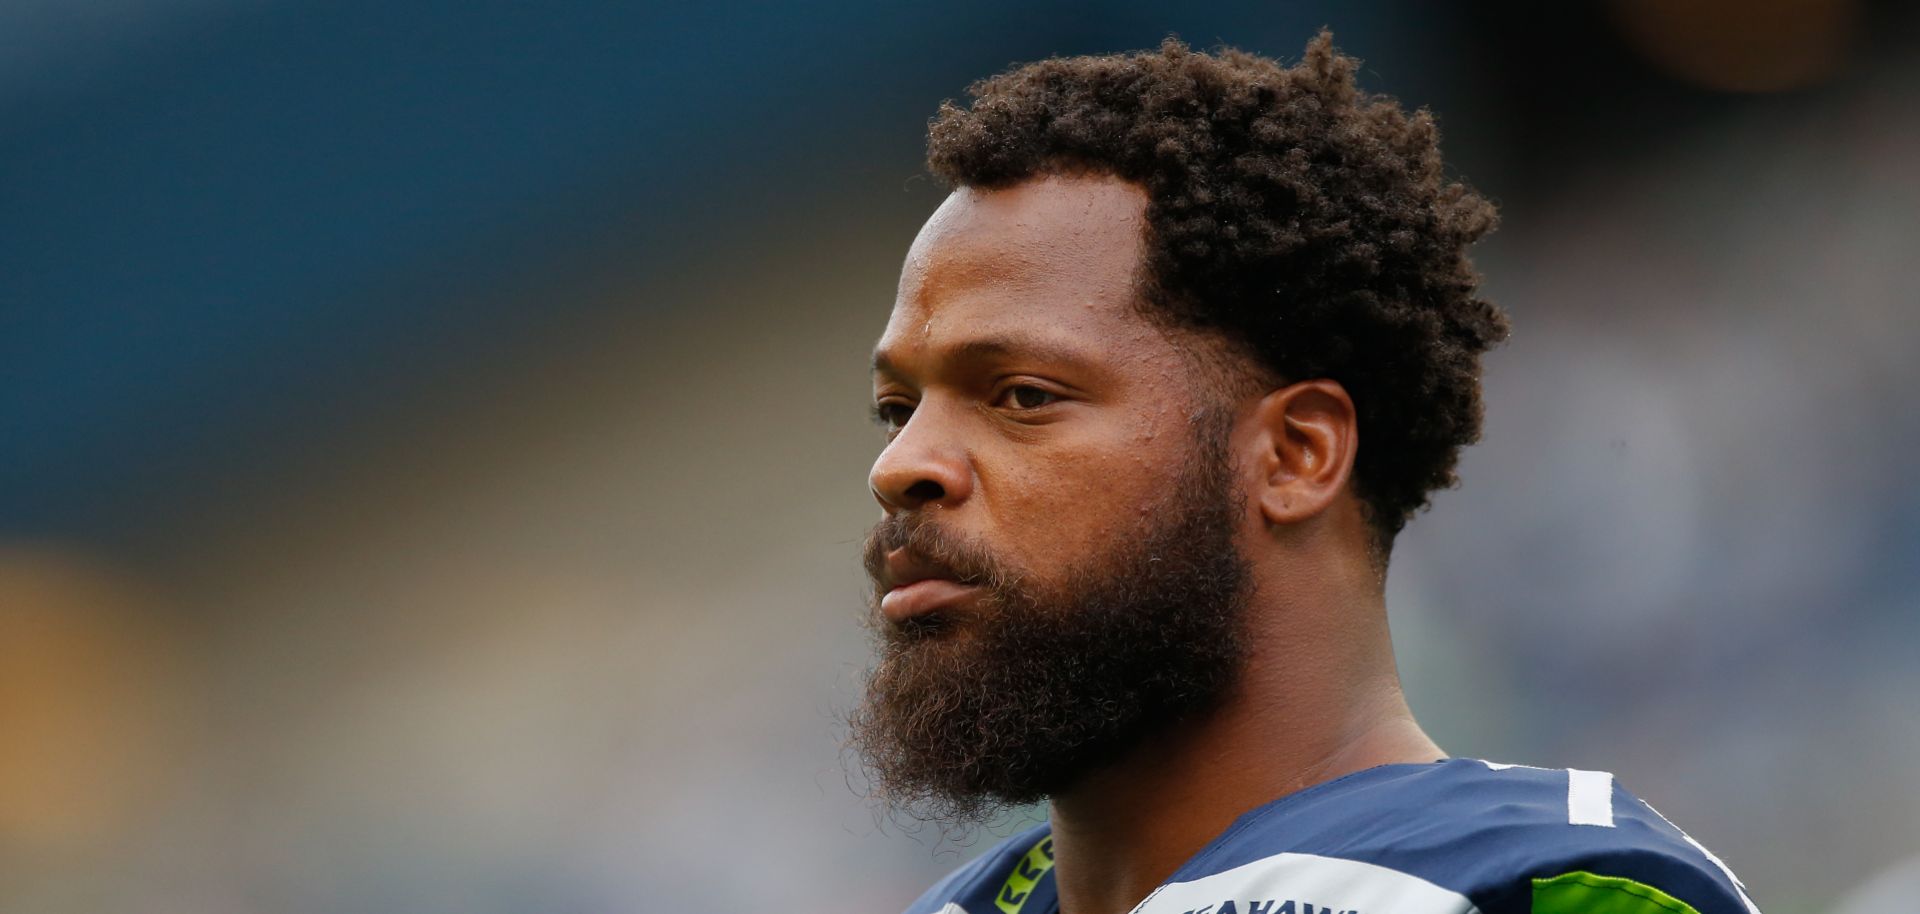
(1033, 687)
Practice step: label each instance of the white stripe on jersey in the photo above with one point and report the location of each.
(1284, 880)
(1589, 797)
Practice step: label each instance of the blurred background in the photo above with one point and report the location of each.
(433, 441)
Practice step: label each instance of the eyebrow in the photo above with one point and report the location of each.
(986, 349)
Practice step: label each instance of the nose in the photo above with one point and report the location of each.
(922, 466)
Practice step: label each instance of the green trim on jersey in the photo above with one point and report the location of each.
(1581, 892)
(1026, 874)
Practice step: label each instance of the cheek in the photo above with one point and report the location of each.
(1072, 499)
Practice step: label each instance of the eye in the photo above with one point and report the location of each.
(891, 415)
(1027, 396)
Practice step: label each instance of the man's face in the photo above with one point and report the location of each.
(1055, 574)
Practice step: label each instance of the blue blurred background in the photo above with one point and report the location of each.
(432, 436)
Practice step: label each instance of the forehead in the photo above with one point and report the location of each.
(1053, 255)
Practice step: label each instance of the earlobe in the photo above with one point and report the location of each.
(1308, 440)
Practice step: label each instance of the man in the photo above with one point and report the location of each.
(1189, 342)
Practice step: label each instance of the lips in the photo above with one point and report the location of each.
(916, 586)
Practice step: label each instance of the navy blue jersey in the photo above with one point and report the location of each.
(1457, 836)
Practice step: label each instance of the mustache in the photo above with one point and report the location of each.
(963, 561)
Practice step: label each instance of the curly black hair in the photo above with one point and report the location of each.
(1307, 223)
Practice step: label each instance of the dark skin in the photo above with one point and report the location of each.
(1035, 410)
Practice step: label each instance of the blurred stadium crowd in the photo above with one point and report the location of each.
(432, 450)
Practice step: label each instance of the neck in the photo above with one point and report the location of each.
(1330, 707)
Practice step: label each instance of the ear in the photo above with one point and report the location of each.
(1308, 435)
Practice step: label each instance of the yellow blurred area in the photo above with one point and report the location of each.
(1742, 45)
(91, 701)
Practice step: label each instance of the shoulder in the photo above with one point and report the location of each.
(1465, 835)
(1007, 877)
(1563, 841)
